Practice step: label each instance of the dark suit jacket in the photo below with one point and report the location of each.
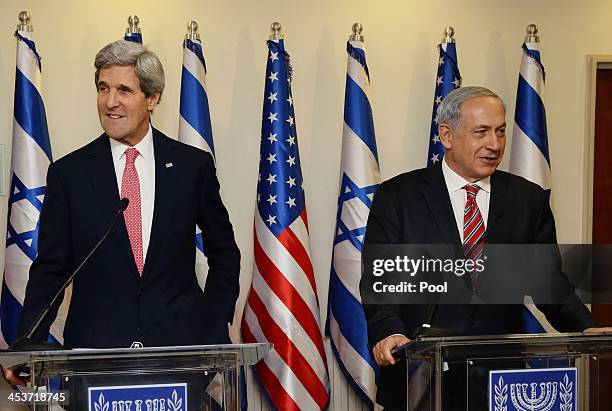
(415, 208)
(112, 305)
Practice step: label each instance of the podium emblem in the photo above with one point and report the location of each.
(152, 397)
(551, 389)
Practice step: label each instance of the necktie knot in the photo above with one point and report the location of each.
(130, 155)
(472, 190)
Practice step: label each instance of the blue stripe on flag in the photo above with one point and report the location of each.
(358, 114)
(30, 112)
(530, 116)
(133, 37)
(10, 311)
(199, 242)
(349, 316)
(194, 107)
(531, 325)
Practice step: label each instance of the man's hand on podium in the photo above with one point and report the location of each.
(12, 375)
(382, 349)
(598, 330)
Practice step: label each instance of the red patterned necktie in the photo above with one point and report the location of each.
(130, 188)
(473, 230)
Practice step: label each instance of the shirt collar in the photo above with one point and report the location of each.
(455, 182)
(144, 147)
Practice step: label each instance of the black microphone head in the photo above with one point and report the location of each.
(123, 203)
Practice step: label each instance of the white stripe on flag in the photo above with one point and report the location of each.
(527, 161)
(532, 73)
(279, 368)
(289, 324)
(189, 135)
(360, 370)
(347, 256)
(357, 73)
(286, 264)
(28, 159)
(27, 63)
(358, 162)
(298, 227)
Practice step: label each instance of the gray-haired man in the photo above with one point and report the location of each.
(140, 285)
(428, 206)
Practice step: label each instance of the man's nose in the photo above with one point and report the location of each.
(112, 99)
(493, 141)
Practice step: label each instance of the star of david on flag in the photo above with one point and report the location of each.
(30, 158)
(529, 156)
(359, 180)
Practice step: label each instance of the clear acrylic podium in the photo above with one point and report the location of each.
(484, 372)
(185, 378)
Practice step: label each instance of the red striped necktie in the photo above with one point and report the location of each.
(473, 229)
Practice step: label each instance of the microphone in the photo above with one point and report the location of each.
(26, 343)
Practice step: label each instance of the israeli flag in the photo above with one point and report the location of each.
(194, 122)
(359, 180)
(133, 37)
(30, 158)
(529, 156)
(529, 153)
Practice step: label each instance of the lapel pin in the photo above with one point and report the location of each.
(169, 165)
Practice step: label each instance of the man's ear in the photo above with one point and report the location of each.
(446, 135)
(152, 101)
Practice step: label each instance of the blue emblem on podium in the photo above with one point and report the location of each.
(168, 397)
(552, 389)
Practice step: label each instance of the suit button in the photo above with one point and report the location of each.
(140, 293)
(139, 331)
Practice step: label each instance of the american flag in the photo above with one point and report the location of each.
(31, 156)
(282, 307)
(448, 78)
(529, 153)
(359, 180)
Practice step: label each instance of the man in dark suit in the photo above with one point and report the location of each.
(428, 206)
(140, 285)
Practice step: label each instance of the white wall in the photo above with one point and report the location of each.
(401, 38)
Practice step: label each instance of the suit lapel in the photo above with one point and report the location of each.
(104, 183)
(165, 188)
(500, 198)
(438, 200)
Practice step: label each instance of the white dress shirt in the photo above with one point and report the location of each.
(145, 167)
(458, 196)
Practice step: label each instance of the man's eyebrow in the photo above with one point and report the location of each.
(481, 126)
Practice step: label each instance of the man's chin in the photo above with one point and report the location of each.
(114, 135)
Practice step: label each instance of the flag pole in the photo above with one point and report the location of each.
(133, 22)
(275, 31)
(449, 34)
(356, 36)
(532, 34)
(192, 31)
(25, 22)
(133, 32)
